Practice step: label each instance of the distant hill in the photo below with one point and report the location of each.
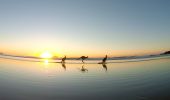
(165, 53)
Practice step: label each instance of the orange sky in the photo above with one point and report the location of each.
(76, 53)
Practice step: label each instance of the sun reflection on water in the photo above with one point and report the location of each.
(46, 61)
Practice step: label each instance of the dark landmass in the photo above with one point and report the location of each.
(19, 56)
(1, 53)
(165, 53)
(73, 58)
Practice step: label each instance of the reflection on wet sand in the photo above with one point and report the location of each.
(83, 69)
(122, 81)
(64, 66)
(104, 66)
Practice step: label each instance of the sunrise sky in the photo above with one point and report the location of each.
(84, 27)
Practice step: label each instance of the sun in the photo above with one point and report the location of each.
(46, 55)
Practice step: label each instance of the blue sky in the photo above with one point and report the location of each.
(85, 26)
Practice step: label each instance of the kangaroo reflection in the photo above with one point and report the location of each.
(104, 66)
(64, 66)
(83, 69)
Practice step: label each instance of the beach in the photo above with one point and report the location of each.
(139, 80)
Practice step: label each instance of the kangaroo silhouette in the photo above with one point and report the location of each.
(104, 59)
(63, 60)
(83, 58)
